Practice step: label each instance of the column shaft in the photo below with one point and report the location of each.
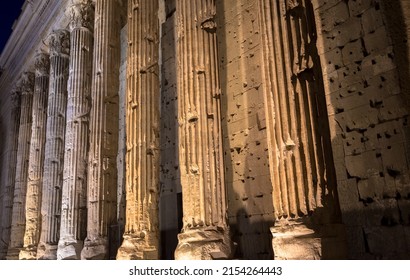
(59, 42)
(205, 231)
(74, 196)
(102, 168)
(20, 188)
(36, 157)
(141, 238)
(9, 175)
(297, 128)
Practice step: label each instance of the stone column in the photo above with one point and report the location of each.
(9, 174)
(59, 43)
(205, 233)
(74, 196)
(36, 157)
(18, 220)
(102, 165)
(301, 173)
(141, 237)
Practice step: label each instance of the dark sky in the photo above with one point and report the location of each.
(10, 10)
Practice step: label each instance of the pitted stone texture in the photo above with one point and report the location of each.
(52, 184)
(102, 173)
(36, 158)
(73, 228)
(23, 152)
(204, 244)
(142, 122)
(8, 173)
(200, 132)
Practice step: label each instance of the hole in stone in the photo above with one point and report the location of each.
(393, 172)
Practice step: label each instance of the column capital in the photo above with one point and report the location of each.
(82, 14)
(59, 42)
(27, 83)
(42, 64)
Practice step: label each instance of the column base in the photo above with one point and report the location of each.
(13, 253)
(47, 251)
(137, 248)
(294, 240)
(28, 253)
(69, 249)
(204, 244)
(96, 249)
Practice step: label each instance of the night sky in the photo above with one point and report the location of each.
(10, 10)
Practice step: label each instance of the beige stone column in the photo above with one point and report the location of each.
(18, 220)
(205, 233)
(36, 157)
(301, 173)
(9, 174)
(59, 44)
(74, 196)
(141, 237)
(102, 165)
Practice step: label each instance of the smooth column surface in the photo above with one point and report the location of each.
(18, 221)
(9, 172)
(141, 237)
(36, 157)
(59, 42)
(104, 127)
(205, 233)
(74, 196)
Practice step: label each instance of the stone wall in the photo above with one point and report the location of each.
(250, 208)
(369, 126)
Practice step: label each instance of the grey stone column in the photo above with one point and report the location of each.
(141, 237)
(36, 157)
(74, 196)
(18, 220)
(102, 165)
(205, 233)
(59, 43)
(9, 173)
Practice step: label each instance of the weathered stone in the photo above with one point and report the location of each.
(18, 221)
(102, 179)
(205, 229)
(36, 158)
(141, 236)
(9, 174)
(59, 42)
(74, 194)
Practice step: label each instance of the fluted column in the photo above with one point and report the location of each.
(141, 237)
(102, 165)
(36, 157)
(18, 220)
(74, 196)
(301, 173)
(59, 43)
(205, 233)
(9, 174)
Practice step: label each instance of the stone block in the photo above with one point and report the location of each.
(394, 107)
(377, 40)
(332, 60)
(353, 143)
(385, 242)
(363, 165)
(357, 7)
(333, 16)
(352, 52)
(371, 20)
(371, 188)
